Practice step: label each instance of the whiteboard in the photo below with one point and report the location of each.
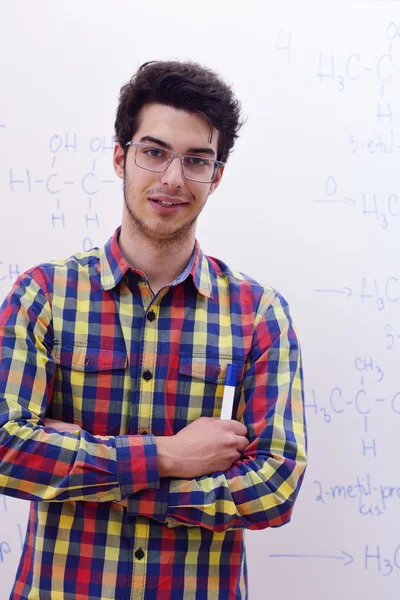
(309, 203)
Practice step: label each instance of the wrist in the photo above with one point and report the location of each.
(167, 459)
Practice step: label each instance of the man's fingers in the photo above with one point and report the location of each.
(62, 426)
(239, 428)
(242, 443)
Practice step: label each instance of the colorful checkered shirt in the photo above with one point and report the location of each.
(84, 340)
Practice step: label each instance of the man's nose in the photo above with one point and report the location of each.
(173, 176)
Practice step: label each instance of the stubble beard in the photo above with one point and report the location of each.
(158, 239)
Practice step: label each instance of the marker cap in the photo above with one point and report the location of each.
(231, 374)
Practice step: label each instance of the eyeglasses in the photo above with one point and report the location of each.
(156, 159)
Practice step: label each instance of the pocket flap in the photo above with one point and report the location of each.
(209, 368)
(84, 358)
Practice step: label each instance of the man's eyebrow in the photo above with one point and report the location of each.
(193, 150)
(153, 140)
(208, 151)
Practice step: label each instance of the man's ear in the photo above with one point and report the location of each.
(217, 180)
(119, 160)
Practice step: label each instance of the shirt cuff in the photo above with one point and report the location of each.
(137, 463)
(152, 504)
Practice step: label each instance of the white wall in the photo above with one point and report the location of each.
(310, 204)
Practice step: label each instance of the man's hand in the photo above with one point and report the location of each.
(61, 426)
(207, 445)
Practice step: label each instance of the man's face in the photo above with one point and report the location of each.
(144, 191)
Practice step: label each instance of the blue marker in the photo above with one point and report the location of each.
(229, 392)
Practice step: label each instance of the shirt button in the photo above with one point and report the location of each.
(151, 315)
(139, 554)
(147, 376)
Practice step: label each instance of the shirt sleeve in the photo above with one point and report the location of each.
(39, 463)
(260, 489)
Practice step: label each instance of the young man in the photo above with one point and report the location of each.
(113, 367)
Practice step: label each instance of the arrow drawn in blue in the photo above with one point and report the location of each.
(345, 556)
(344, 200)
(346, 291)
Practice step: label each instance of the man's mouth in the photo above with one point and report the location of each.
(166, 203)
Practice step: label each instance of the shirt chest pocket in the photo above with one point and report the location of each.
(201, 385)
(89, 387)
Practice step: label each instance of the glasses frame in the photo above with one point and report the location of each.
(172, 155)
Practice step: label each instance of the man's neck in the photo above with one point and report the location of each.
(160, 263)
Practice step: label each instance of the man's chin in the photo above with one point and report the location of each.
(172, 234)
(165, 233)
(161, 231)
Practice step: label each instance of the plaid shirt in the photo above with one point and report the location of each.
(84, 340)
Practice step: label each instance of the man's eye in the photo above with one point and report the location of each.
(196, 161)
(154, 152)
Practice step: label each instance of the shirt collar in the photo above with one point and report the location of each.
(113, 266)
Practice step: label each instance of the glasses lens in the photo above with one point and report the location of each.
(199, 168)
(157, 159)
(151, 158)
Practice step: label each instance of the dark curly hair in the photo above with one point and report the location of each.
(183, 85)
